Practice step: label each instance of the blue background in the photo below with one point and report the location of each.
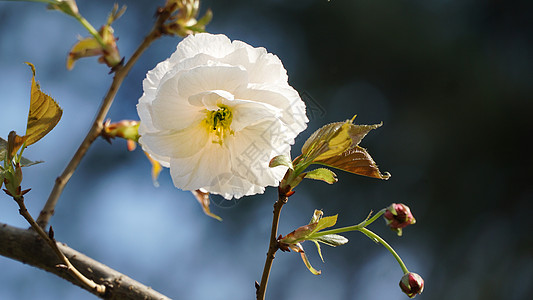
(451, 80)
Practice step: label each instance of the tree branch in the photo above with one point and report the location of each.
(27, 247)
(273, 247)
(97, 127)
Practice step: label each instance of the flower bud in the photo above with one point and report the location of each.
(184, 19)
(412, 284)
(398, 216)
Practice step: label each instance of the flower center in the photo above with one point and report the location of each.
(218, 122)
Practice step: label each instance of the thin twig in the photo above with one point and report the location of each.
(273, 247)
(97, 127)
(98, 288)
(26, 246)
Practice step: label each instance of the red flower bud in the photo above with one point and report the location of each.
(398, 216)
(412, 284)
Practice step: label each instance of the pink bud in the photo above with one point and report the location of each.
(398, 216)
(412, 284)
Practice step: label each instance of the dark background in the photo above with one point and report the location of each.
(451, 80)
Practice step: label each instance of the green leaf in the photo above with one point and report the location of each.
(281, 160)
(355, 160)
(24, 162)
(3, 148)
(2, 176)
(207, 17)
(319, 251)
(331, 240)
(317, 143)
(298, 248)
(325, 223)
(323, 174)
(44, 113)
(333, 140)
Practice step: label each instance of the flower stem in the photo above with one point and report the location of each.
(362, 228)
(90, 29)
(272, 248)
(357, 227)
(376, 237)
(97, 127)
(99, 288)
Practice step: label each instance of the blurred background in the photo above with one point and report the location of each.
(451, 80)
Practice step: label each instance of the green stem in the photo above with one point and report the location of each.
(386, 245)
(90, 29)
(350, 228)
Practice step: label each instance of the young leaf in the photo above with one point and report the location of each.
(203, 199)
(298, 248)
(331, 240)
(325, 223)
(281, 160)
(83, 48)
(319, 251)
(355, 160)
(1, 177)
(44, 113)
(24, 162)
(14, 142)
(3, 149)
(323, 174)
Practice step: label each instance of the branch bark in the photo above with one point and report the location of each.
(97, 127)
(26, 246)
(273, 245)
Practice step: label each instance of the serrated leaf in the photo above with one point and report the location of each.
(24, 162)
(325, 223)
(317, 143)
(281, 160)
(332, 240)
(355, 160)
(323, 174)
(44, 113)
(203, 199)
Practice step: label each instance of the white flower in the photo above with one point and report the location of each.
(216, 112)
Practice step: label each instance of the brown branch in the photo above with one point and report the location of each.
(27, 247)
(273, 247)
(97, 127)
(97, 288)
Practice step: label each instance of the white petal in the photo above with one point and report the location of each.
(214, 45)
(254, 147)
(247, 113)
(210, 99)
(284, 98)
(176, 144)
(262, 67)
(208, 78)
(172, 111)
